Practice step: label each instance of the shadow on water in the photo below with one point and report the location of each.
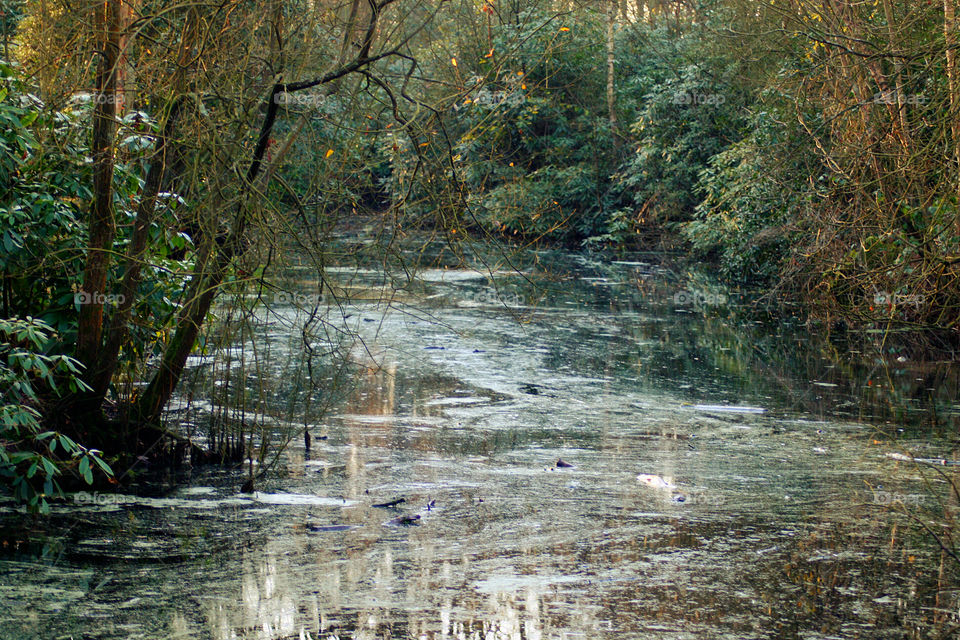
(771, 502)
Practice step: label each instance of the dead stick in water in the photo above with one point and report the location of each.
(387, 505)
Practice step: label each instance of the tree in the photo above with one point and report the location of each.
(212, 93)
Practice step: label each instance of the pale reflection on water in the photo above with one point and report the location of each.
(274, 606)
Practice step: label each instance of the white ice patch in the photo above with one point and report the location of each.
(656, 482)
(301, 498)
(722, 408)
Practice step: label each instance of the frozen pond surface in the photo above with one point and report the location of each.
(763, 508)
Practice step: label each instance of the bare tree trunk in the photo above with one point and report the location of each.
(348, 31)
(611, 93)
(116, 332)
(652, 8)
(189, 321)
(117, 326)
(206, 281)
(897, 63)
(950, 38)
(898, 81)
(101, 222)
(349, 36)
(125, 90)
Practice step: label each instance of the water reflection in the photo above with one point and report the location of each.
(780, 533)
(274, 606)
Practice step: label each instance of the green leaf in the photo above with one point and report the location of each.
(103, 465)
(50, 468)
(69, 445)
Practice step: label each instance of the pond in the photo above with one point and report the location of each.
(721, 478)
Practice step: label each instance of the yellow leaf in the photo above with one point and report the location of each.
(453, 61)
(523, 86)
(329, 153)
(564, 28)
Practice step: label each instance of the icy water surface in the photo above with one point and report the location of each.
(720, 481)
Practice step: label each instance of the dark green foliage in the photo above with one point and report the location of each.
(750, 201)
(46, 176)
(539, 155)
(691, 109)
(31, 461)
(45, 187)
(535, 144)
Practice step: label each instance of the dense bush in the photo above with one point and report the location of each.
(691, 110)
(750, 202)
(534, 139)
(30, 460)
